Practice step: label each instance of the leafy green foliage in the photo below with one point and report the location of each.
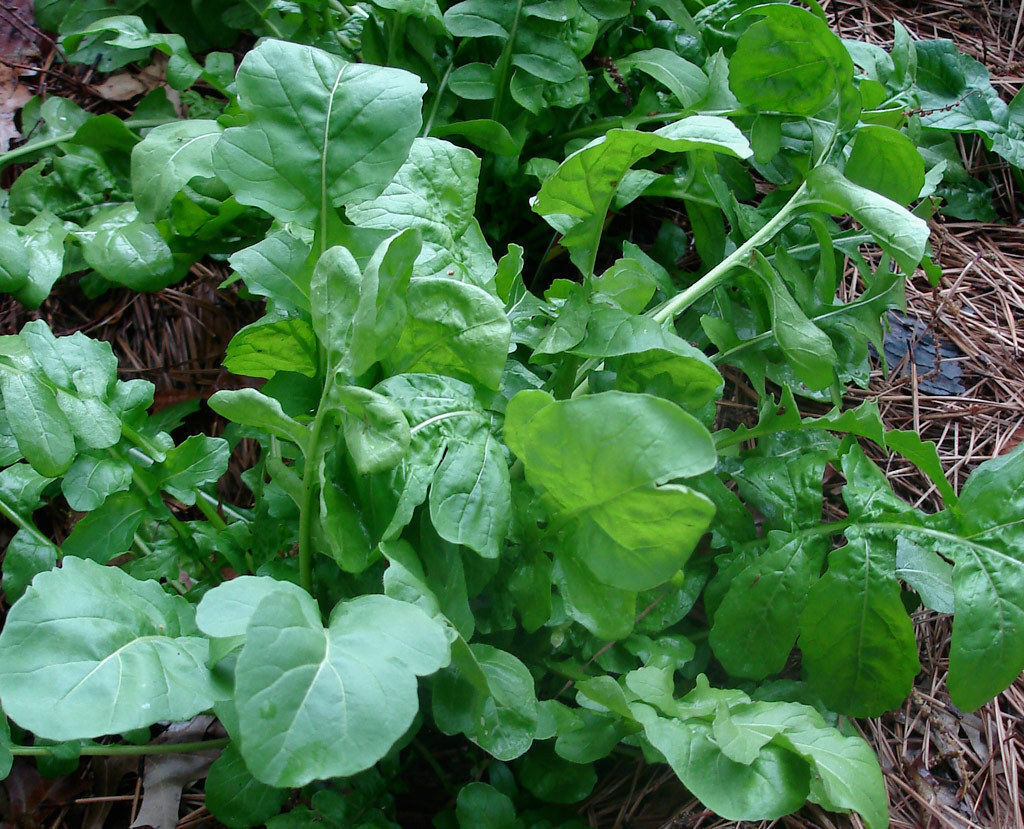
(478, 479)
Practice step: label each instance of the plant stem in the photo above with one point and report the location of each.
(11, 515)
(310, 489)
(113, 751)
(437, 101)
(684, 299)
(502, 75)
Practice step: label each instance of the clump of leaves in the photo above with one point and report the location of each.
(468, 493)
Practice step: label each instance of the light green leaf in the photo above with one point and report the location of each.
(323, 133)
(250, 407)
(453, 328)
(27, 555)
(167, 159)
(266, 347)
(71, 641)
(682, 78)
(576, 198)
(886, 161)
(899, 232)
(44, 239)
(359, 674)
(225, 611)
(503, 721)
(196, 461)
(603, 462)
(124, 248)
(90, 481)
(275, 267)
(435, 192)
(789, 62)
(927, 573)
(376, 431)
(41, 429)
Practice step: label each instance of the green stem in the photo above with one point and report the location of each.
(684, 299)
(437, 101)
(501, 80)
(113, 751)
(395, 37)
(27, 149)
(9, 513)
(309, 490)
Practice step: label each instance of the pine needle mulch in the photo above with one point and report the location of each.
(944, 768)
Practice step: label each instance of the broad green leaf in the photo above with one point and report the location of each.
(197, 461)
(548, 777)
(576, 198)
(14, 259)
(41, 429)
(756, 625)
(453, 328)
(167, 159)
(899, 232)
(70, 642)
(90, 481)
(359, 674)
(604, 461)
(376, 431)
(503, 721)
(266, 347)
(323, 132)
(789, 62)
(774, 784)
(77, 364)
(358, 317)
(44, 240)
(275, 267)
(126, 249)
(886, 161)
(250, 407)
(27, 555)
(435, 192)
(808, 349)
(235, 797)
(470, 495)
(108, 530)
(857, 641)
(21, 488)
(225, 611)
(605, 610)
(481, 806)
(488, 135)
(987, 651)
(684, 80)
(344, 535)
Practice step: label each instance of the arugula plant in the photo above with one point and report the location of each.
(472, 498)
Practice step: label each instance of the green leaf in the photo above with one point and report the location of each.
(684, 80)
(376, 431)
(358, 673)
(44, 239)
(899, 233)
(502, 721)
(576, 198)
(124, 248)
(776, 783)
(886, 161)
(225, 611)
(480, 806)
(359, 316)
(235, 797)
(857, 641)
(605, 610)
(435, 192)
(987, 651)
(108, 530)
(14, 259)
(250, 407)
(603, 462)
(548, 777)
(27, 555)
(167, 159)
(90, 481)
(266, 347)
(41, 429)
(322, 133)
(275, 267)
(756, 625)
(71, 640)
(197, 461)
(488, 135)
(927, 573)
(453, 328)
(789, 62)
